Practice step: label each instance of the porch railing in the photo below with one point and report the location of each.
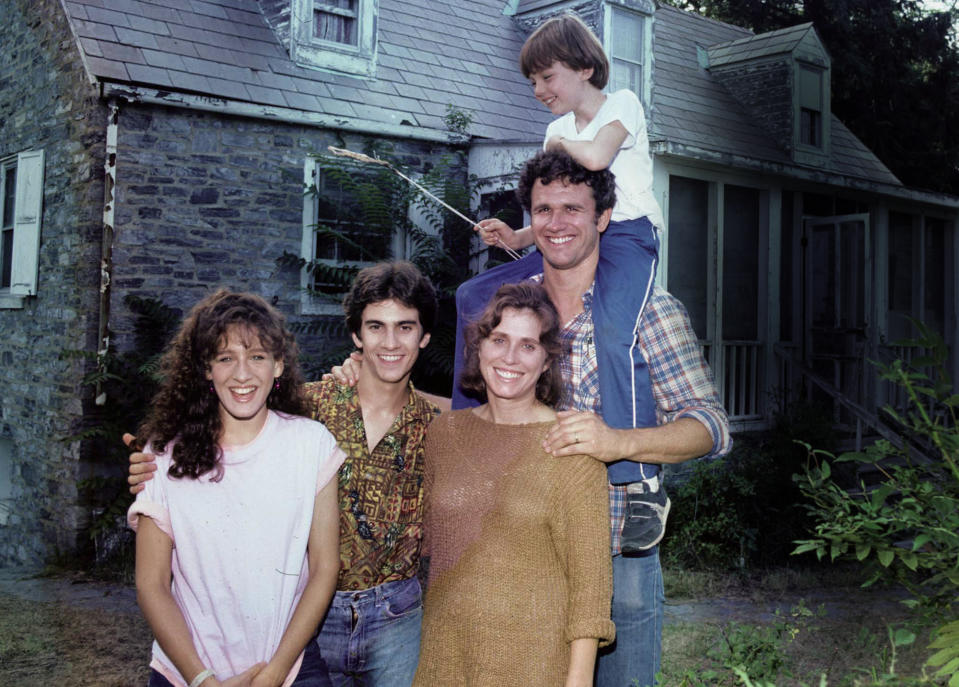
(740, 378)
(793, 368)
(742, 385)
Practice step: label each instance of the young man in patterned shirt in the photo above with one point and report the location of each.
(371, 633)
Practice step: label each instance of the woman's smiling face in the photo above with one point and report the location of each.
(242, 373)
(511, 358)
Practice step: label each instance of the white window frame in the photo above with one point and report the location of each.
(354, 60)
(643, 10)
(310, 304)
(27, 215)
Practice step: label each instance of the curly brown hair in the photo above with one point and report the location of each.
(185, 409)
(526, 295)
(548, 166)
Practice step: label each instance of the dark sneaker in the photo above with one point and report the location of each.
(645, 521)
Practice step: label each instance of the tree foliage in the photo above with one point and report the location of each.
(895, 74)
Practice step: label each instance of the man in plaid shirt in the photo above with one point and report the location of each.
(569, 211)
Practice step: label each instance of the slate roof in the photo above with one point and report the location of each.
(763, 45)
(691, 108)
(430, 53)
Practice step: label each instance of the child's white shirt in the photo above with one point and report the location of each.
(632, 165)
(239, 545)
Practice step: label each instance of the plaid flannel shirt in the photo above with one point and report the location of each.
(682, 382)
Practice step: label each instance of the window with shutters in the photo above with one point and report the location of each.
(21, 200)
(335, 35)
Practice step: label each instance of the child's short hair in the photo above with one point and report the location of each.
(565, 39)
(400, 281)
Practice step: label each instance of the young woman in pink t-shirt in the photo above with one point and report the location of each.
(237, 537)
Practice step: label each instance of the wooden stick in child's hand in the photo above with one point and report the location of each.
(342, 152)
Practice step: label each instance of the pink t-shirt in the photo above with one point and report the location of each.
(239, 545)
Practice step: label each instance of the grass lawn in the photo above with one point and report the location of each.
(44, 643)
(826, 626)
(839, 630)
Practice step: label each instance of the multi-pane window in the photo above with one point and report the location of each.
(335, 21)
(349, 221)
(626, 48)
(810, 107)
(335, 35)
(8, 177)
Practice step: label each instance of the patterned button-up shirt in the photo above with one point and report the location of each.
(682, 382)
(380, 492)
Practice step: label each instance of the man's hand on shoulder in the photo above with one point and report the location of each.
(142, 466)
(348, 373)
(581, 433)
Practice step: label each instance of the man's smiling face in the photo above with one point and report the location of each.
(390, 337)
(565, 226)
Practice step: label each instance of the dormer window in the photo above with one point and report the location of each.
(335, 35)
(626, 37)
(335, 21)
(810, 106)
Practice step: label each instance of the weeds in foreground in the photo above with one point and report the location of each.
(905, 528)
(803, 648)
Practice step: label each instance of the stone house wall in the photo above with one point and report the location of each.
(48, 103)
(201, 200)
(207, 200)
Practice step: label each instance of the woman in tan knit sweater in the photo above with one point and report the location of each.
(517, 540)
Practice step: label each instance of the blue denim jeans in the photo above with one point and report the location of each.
(633, 659)
(371, 638)
(312, 672)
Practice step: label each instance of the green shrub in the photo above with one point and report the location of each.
(744, 510)
(905, 529)
(125, 383)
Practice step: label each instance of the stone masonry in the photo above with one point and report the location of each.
(46, 102)
(202, 200)
(208, 200)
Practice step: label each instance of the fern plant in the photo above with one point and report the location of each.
(370, 214)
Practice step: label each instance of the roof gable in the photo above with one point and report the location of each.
(692, 109)
(781, 42)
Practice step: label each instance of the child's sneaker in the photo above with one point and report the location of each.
(645, 522)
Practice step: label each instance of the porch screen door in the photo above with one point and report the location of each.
(836, 293)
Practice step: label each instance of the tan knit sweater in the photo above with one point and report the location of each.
(519, 555)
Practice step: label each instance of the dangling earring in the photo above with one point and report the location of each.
(212, 390)
(276, 384)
